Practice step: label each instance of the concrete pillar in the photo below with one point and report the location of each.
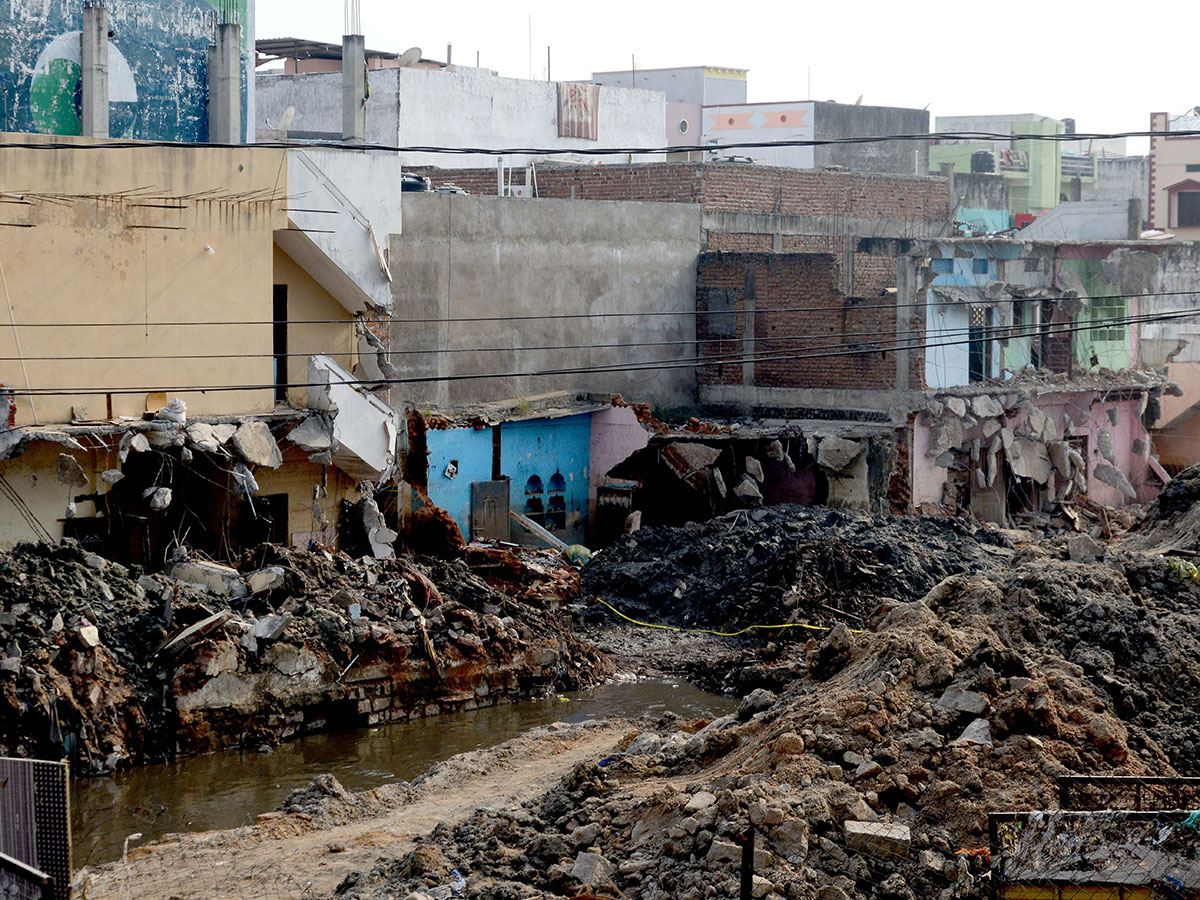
(225, 86)
(93, 60)
(354, 89)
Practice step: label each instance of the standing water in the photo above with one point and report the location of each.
(225, 790)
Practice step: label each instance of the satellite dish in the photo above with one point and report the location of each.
(409, 57)
(285, 120)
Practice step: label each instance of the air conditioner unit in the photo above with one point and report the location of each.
(521, 190)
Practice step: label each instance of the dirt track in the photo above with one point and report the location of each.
(293, 855)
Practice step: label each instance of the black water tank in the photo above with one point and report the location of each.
(983, 161)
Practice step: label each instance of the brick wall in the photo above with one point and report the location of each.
(807, 333)
(732, 188)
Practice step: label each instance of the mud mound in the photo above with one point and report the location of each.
(1172, 521)
(871, 775)
(784, 564)
(112, 667)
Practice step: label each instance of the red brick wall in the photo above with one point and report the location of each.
(824, 339)
(732, 187)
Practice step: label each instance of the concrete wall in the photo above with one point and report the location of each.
(1120, 178)
(686, 84)
(95, 256)
(462, 108)
(1169, 161)
(616, 435)
(158, 67)
(979, 190)
(840, 120)
(470, 257)
(754, 122)
(1088, 220)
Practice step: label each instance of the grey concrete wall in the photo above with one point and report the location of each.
(467, 256)
(839, 120)
(980, 191)
(1120, 178)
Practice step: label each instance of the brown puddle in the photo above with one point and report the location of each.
(226, 790)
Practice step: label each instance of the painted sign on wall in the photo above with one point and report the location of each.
(158, 68)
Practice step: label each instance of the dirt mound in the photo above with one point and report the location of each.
(871, 775)
(1172, 521)
(784, 564)
(113, 667)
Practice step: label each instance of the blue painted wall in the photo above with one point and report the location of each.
(555, 451)
(158, 67)
(473, 451)
(547, 448)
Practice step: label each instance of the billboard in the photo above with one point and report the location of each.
(158, 69)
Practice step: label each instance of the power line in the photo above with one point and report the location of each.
(571, 316)
(649, 365)
(965, 136)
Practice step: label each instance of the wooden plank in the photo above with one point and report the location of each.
(537, 530)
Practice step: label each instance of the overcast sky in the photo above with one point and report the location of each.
(1109, 69)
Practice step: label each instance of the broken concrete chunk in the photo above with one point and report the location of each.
(957, 405)
(754, 469)
(265, 579)
(591, 868)
(159, 497)
(685, 457)
(985, 407)
(747, 489)
(271, 628)
(718, 481)
(978, 732)
(243, 480)
(1084, 548)
(139, 444)
(164, 438)
(1113, 416)
(1006, 438)
(879, 839)
(949, 436)
(212, 577)
(1138, 447)
(1104, 444)
(1060, 455)
(701, 800)
(990, 427)
(111, 476)
(1030, 459)
(1114, 477)
(313, 435)
(775, 450)
(70, 472)
(836, 453)
(222, 433)
(962, 701)
(254, 442)
(201, 435)
(90, 635)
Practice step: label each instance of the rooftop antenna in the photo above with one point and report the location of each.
(409, 58)
(353, 17)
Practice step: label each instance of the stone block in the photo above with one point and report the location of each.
(882, 840)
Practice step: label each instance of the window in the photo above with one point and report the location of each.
(980, 267)
(556, 507)
(535, 508)
(942, 266)
(1193, 167)
(1106, 309)
(1187, 213)
(279, 336)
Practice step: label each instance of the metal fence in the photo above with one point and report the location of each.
(35, 830)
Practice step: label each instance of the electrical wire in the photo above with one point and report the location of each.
(964, 136)
(650, 365)
(571, 316)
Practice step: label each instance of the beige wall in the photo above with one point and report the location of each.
(309, 302)
(32, 476)
(297, 478)
(88, 259)
(1169, 159)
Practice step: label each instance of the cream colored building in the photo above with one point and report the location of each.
(1174, 202)
(137, 275)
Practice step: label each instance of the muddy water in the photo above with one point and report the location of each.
(225, 790)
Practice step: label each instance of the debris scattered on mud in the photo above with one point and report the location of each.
(113, 667)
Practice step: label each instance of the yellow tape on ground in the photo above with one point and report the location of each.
(718, 633)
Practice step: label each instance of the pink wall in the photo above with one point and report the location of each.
(616, 435)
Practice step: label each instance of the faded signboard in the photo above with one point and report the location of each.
(579, 110)
(158, 68)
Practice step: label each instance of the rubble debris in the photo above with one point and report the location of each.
(1114, 477)
(175, 411)
(70, 472)
(255, 444)
(116, 667)
(837, 453)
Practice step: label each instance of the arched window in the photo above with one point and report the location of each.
(556, 503)
(535, 508)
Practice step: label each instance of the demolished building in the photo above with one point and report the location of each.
(184, 360)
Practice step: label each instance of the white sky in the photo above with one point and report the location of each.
(1108, 67)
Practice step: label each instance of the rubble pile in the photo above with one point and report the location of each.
(784, 564)
(872, 774)
(114, 667)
